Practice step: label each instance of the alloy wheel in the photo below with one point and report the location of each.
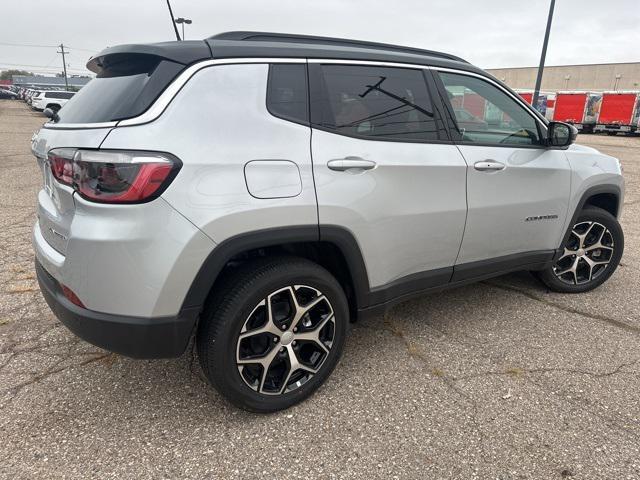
(586, 255)
(285, 340)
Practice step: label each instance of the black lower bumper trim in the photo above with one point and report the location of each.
(137, 337)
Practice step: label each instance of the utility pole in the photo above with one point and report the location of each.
(536, 92)
(64, 67)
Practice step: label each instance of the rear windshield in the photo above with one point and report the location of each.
(116, 96)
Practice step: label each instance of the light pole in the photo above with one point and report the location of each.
(536, 92)
(182, 21)
(618, 77)
(175, 28)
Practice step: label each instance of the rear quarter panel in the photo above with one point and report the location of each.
(216, 125)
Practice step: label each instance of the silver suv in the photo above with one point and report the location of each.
(260, 191)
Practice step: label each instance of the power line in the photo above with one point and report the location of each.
(83, 49)
(26, 45)
(4, 44)
(41, 67)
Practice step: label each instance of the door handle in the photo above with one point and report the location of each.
(350, 163)
(488, 166)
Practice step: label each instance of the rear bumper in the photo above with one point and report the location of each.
(137, 337)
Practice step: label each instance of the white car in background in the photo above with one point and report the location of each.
(54, 100)
(30, 94)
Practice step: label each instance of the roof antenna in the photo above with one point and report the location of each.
(175, 27)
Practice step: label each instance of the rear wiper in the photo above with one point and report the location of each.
(51, 114)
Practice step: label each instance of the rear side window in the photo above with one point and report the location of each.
(378, 103)
(124, 90)
(287, 92)
(59, 95)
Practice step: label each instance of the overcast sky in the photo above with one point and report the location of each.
(488, 33)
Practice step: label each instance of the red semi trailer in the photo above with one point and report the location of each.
(620, 112)
(578, 108)
(526, 96)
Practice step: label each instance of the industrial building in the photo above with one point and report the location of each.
(592, 77)
(38, 81)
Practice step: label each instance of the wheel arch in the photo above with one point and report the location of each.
(606, 196)
(334, 248)
(606, 200)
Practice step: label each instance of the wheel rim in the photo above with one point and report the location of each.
(586, 255)
(285, 340)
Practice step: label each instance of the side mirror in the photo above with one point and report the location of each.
(560, 134)
(51, 114)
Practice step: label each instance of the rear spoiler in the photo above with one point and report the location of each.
(128, 59)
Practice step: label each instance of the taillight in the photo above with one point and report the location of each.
(114, 176)
(61, 161)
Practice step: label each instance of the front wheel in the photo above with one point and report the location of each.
(274, 334)
(590, 254)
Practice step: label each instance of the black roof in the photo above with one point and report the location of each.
(264, 44)
(326, 41)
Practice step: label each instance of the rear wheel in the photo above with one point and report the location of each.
(590, 254)
(274, 334)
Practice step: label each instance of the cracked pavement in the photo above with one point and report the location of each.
(497, 380)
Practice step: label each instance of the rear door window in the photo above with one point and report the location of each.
(376, 103)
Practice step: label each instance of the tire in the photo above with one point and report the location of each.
(594, 261)
(241, 308)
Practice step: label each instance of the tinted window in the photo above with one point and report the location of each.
(59, 95)
(380, 103)
(287, 92)
(486, 114)
(100, 99)
(120, 92)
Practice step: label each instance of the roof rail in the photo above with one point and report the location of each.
(342, 42)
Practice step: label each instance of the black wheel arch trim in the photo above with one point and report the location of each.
(366, 298)
(610, 189)
(219, 257)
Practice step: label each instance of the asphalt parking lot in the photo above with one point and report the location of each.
(498, 380)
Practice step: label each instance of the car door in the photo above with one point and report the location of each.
(517, 188)
(386, 172)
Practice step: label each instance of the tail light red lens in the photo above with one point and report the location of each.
(114, 176)
(61, 161)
